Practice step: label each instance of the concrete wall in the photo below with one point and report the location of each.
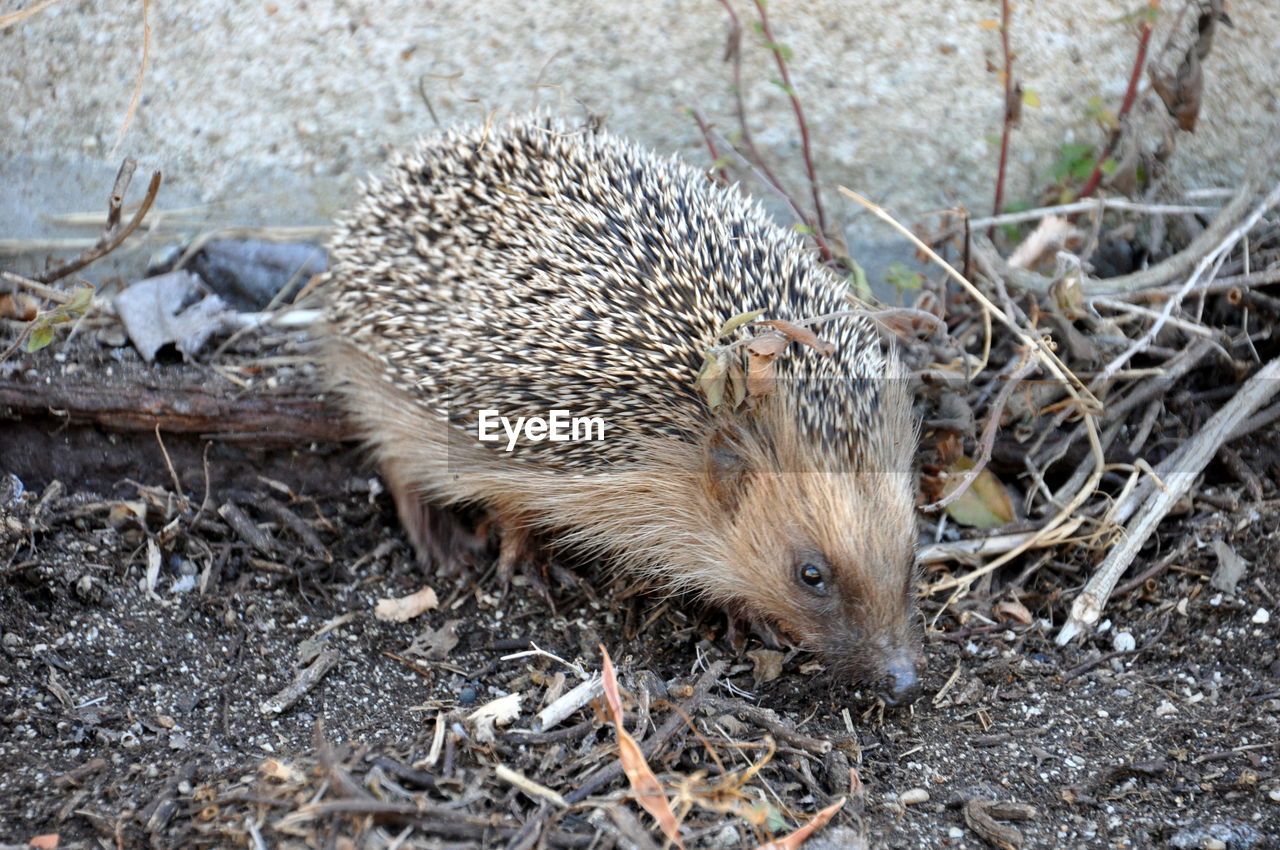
(268, 112)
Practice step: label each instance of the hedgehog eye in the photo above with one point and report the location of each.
(814, 577)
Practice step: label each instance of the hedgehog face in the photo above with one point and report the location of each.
(830, 557)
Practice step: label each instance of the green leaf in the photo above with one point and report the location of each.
(80, 301)
(1108, 166)
(1030, 98)
(774, 821)
(780, 84)
(984, 505)
(803, 229)
(735, 322)
(1082, 169)
(1013, 231)
(901, 277)
(781, 49)
(1095, 111)
(858, 281)
(1071, 151)
(1073, 158)
(41, 335)
(42, 326)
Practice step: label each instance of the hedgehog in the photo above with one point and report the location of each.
(540, 274)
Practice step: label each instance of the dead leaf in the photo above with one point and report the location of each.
(1013, 105)
(170, 309)
(498, 712)
(406, 607)
(767, 345)
(713, 376)
(737, 383)
(1183, 91)
(1230, 568)
(985, 504)
(15, 305)
(435, 644)
(768, 665)
(644, 785)
(1068, 295)
(797, 838)
(1049, 237)
(276, 769)
(761, 375)
(1012, 609)
(804, 336)
(981, 816)
(48, 841)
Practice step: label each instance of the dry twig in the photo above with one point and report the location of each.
(1178, 474)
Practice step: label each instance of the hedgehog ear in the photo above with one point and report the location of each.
(727, 469)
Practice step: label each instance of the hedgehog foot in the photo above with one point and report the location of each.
(516, 548)
(742, 627)
(441, 539)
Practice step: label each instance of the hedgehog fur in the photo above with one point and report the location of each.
(530, 267)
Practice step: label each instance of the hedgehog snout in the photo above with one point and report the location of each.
(900, 684)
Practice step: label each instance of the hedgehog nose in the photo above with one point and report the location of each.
(901, 682)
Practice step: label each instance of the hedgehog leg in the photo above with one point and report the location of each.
(516, 547)
(743, 625)
(437, 534)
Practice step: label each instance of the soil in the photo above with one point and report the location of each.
(142, 630)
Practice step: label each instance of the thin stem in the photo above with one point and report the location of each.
(820, 217)
(734, 51)
(1130, 95)
(1009, 114)
(711, 144)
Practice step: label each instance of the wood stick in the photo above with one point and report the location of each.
(112, 237)
(1161, 273)
(211, 408)
(1177, 478)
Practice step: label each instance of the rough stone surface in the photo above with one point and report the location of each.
(268, 112)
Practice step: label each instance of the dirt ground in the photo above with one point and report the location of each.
(141, 633)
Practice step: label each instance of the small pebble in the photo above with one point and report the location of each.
(1165, 708)
(1261, 616)
(728, 836)
(11, 489)
(1123, 642)
(955, 832)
